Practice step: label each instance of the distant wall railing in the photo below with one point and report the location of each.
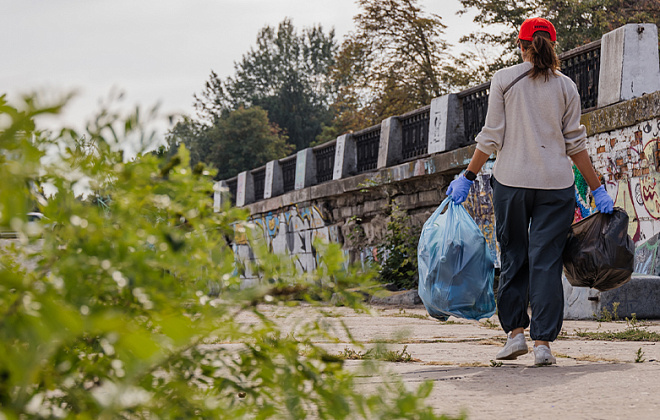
(325, 161)
(454, 120)
(367, 142)
(475, 108)
(232, 183)
(288, 173)
(259, 177)
(582, 65)
(415, 132)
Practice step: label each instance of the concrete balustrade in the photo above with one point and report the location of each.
(629, 69)
(389, 150)
(446, 124)
(305, 169)
(274, 181)
(244, 189)
(345, 157)
(629, 63)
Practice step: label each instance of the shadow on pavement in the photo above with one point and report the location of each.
(509, 379)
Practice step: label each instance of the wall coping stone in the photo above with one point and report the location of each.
(622, 114)
(445, 163)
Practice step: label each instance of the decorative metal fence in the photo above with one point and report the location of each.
(366, 144)
(259, 178)
(288, 166)
(415, 132)
(232, 184)
(475, 107)
(583, 66)
(325, 162)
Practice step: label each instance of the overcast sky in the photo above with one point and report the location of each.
(153, 50)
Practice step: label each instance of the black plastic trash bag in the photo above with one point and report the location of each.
(455, 265)
(599, 252)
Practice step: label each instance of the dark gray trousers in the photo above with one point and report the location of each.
(531, 227)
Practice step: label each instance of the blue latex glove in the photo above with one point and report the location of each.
(604, 203)
(459, 188)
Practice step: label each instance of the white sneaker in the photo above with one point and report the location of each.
(513, 348)
(543, 356)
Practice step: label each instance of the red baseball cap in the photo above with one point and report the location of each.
(532, 25)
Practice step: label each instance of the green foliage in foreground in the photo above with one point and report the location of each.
(126, 304)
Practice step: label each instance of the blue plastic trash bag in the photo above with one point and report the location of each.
(456, 269)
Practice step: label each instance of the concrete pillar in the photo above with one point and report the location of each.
(345, 157)
(274, 185)
(305, 168)
(220, 195)
(391, 139)
(244, 189)
(446, 130)
(628, 63)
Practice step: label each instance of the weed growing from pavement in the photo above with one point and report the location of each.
(632, 333)
(377, 354)
(606, 315)
(592, 358)
(403, 314)
(639, 357)
(493, 363)
(490, 324)
(561, 355)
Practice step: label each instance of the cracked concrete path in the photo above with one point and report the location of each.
(593, 379)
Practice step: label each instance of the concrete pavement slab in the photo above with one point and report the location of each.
(593, 379)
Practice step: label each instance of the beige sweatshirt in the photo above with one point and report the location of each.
(534, 128)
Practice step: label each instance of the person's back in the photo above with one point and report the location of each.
(533, 123)
(542, 128)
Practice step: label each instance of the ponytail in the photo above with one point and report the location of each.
(541, 53)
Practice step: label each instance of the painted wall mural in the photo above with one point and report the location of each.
(479, 205)
(291, 231)
(629, 161)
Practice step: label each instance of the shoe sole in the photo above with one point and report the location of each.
(546, 363)
(514, 355)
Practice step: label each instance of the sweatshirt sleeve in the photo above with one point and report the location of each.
(491, 136)
(574, 132)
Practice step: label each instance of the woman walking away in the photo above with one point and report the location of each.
(533, 123)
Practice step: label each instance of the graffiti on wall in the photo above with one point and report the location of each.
(291, 231)
(629, 161)
(479, 205)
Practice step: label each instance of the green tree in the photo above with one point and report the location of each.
(134, 309)
(578, 22)
(239, 140)
(286, 74)
(392, 63)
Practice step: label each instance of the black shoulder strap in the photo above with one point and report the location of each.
(516, 80)
(506, 89)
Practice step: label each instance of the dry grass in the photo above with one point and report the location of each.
(592, 358)
(439, 363)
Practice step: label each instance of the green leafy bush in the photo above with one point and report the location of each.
(126, 303)
(397, 255)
